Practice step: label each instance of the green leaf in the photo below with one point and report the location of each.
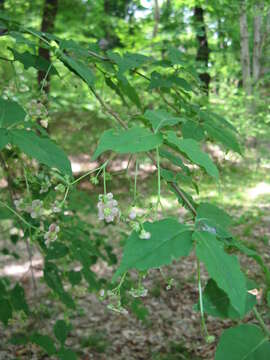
(160, 118)
(191, 148)
(42, 149)
(61, 330)
(74, 277)
(17, 298)
(211, 217)
(176, 56)
(192, 130)
(56, 250)
(127, 61)
(53, 280)
(133, 140)
(45, 342)
(243, 342)
(223, 268)
(128, 90)
(38, 62)
(4, 138)
(169, 240)
(217, 303)
(222, 134)
(5, 311)
(10, 113)
(79, 68)
(174, 159)
(268, 298)
(66, 354)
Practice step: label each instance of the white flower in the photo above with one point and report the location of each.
(44, 123)
(132, 215)
(145, 235)
(109, 196)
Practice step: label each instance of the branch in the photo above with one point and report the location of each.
(123, 124)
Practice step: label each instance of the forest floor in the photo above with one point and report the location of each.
(169, 328)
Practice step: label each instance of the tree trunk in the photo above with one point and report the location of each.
(157, 18)
(47, 25)
(245, 58)
(203, 48)
(257, 40)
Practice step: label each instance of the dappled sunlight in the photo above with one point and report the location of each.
(261, 188)
(23, 270)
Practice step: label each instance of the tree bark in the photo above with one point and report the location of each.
(257, 40)
(244, 42)
(203, 48)
(47, 25)
(156, 18)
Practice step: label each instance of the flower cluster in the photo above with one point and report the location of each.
(51, 234)
(36, 209)
(108, 208)
(115, 301)
(139, 292)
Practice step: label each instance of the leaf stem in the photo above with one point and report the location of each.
(203, 324)
(261, 322)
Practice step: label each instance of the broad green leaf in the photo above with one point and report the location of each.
(19, 339)
(45, 342)
(10, 113)
(42, 149)
(79, 68)
(38, 62)
(160, 118)
(211, 217)
(192, 130)
(217, 303)
(17, 298)
(169, 240)
(243, 342)
(66, 354)
(222, 268)
(61, 330)
(133, 140)
(191, 148)
(5, 311)
(4, 138)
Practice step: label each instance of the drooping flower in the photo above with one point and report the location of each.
(107, 208)
(145, 235)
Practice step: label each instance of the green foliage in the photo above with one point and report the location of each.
(243, 342)
(160, 118)
(169, 240)
(132, 141)
(42, 149)
(223, 268)
(11, 113)
(191, 148)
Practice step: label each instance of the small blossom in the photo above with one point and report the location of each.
(140, 292)
(132, 215)
(44, 123)
(107, 208)
(51, 234)
(145, 235)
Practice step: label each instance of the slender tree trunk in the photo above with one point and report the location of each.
(47, 25)
(156, 17)
(245, 57)
(257, 40)
(203, 48)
